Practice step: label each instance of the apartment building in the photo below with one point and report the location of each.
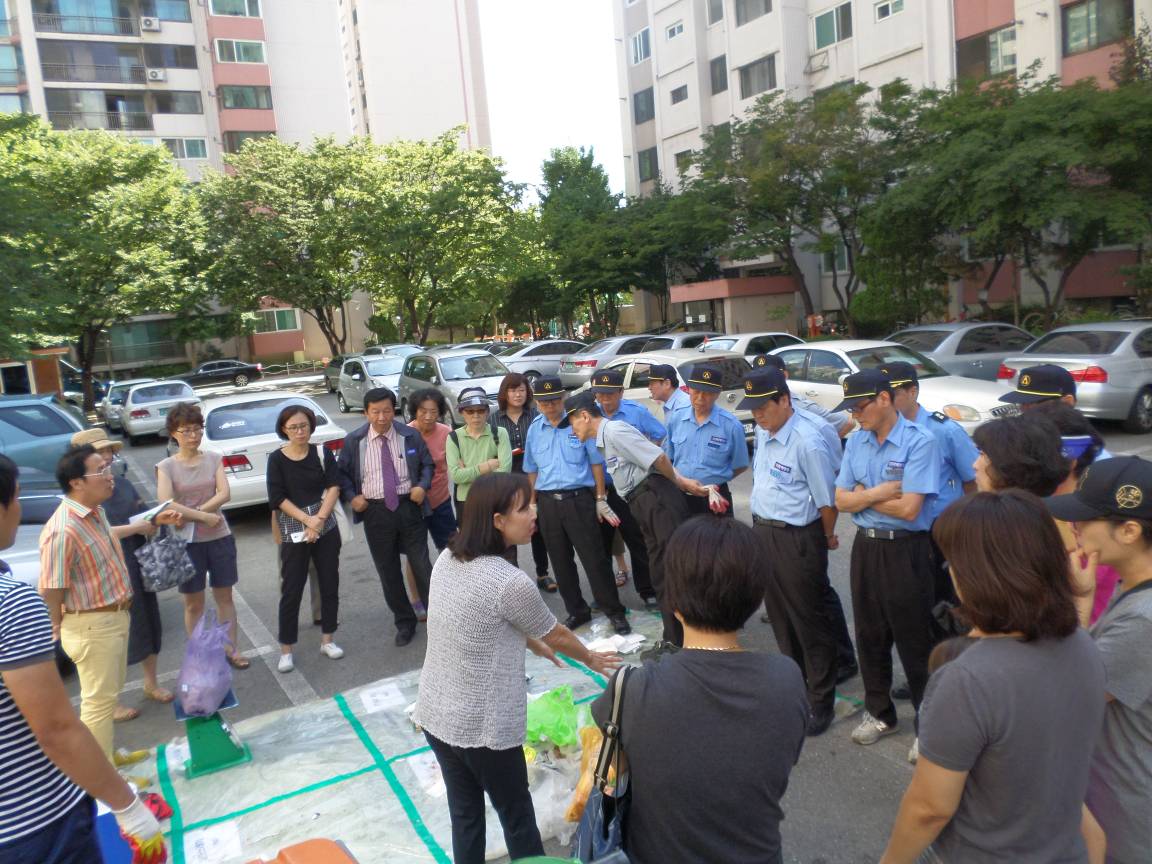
(687, 65)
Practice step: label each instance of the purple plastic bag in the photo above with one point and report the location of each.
(205, 677)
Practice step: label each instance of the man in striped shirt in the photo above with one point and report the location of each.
(85, 584)
(50, 765)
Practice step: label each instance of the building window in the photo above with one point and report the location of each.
(643, 106)
(178, 102)
(166, 10)
(986, 55)
(186, 148)
(641, 46)
(235, 96)
(758, 77)
(277, 320)
(239, 51)
(156, 56)
(674, 30)
(683, 162)
(14, 103)
(646, 164)
(835, 258)
(888, 8)
(680, 94)
(833, 26)
(1093, 23)
(750, 10)
(718, 69)
(240, 8)
(233, 141)
(715, 11)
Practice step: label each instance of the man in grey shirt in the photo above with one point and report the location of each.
(645, 479)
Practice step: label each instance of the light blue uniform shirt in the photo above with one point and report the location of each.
(908, 454)
(710, 452)
(558, 458)
(678, 401)
(636, 415)
(957, 455)
(836, 418)
(794, 471)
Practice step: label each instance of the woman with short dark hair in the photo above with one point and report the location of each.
(1021, 452)
(472, 702)
(723, 723)
(1006, 726)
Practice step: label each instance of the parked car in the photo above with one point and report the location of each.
(361, 374)
(112, 405)
(333, 369)
(684, 339)
(72, 385)
(577, 368)
(450, 372)
(816, 370)
(536, 359)
(401, 349)
(233, 372)
(242, 429)
(749, 344)
(971, 349)
(34, 433)
(492, 347)
(1111, 362)
(732, 366)
(147, 406)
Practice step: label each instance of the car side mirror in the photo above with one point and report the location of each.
(356, 376)
(434, 380)
(840, 378)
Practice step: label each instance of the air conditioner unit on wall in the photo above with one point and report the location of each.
(156, 74)
(150, 25)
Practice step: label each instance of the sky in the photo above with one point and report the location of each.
(550, 69)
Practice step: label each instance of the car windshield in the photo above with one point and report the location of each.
(882, 355)
(251, 418)
(719, 345)
(509, 350)
(162, 392)
(732, 370)
(385, 366)
(117, 395)
(920, 340)
(476, 366)
(1078, 342)
(596, 347)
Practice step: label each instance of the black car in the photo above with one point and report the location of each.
(222, 372)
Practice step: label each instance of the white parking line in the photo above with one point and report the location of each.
(294, 684)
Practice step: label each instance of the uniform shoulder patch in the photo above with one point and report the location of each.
(940, 416)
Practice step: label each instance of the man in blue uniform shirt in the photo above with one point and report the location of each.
(793, 510)
(664, 387)
(887, 480)
(707, 443)
(564, 471)
(841, 421)
(608, 389)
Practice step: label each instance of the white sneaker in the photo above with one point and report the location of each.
(331, 650)
(914, 753)
(285, 664)
(871, 730)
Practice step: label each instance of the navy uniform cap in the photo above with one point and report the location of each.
(862, 386)
(767, 361)
(608, 381)
(664, 372)
(704, 377)
(1120, 486)
(901, 374)
(1041, 383)
(762, 385)
(548, 387)
(585, 401)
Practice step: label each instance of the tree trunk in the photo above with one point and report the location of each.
(986, 288)
(1049, 300)
(797, 274)
(86, 351)
(323, 318)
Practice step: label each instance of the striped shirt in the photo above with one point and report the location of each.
(33, 792)
(79, 555)
(373, 484)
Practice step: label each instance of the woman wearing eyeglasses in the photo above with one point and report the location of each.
(198, 486)
(476, 449)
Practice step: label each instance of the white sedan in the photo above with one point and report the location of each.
(242, 429)
(815, 371)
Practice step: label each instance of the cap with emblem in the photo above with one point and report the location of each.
(762, 385)
(548, 387)
(704, 378)
(1039, 383)
(585, 401)
(608, 381)
(767, 361)
(862, 386)
(97, 438)
(664, 372)
(473, 397)
(1120, 486)
(901, 374)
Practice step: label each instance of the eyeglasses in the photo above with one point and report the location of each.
(859, 407)
(191, 430)
(106, 471)
(298, 427)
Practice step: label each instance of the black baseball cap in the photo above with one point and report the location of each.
(664, 372)
(863, 385)
(608, 381)
(704, 377)
(767, 361)
(473, 397)
(585, 401)
(548, 387)
(762, 385)
(901, 374)
(1120, 486)
(1041, 383)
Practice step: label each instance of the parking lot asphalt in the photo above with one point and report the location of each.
(842, 797)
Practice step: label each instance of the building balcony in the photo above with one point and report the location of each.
(85, 73)
(47, 22)
(723, 289)
(119, 121)
(113, 356)
(11, 77)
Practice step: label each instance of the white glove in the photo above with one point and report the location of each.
(139, 826)
(605, 513)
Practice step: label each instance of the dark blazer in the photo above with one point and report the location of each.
(349, 463)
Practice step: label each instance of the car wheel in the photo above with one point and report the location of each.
(532, 378)
(133, 440)
(342, 403)
(1139, 418)
(240, 380)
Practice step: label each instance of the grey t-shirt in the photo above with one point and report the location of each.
(711, 738)
(628, 455)
(1120, 786)
(1017, 716)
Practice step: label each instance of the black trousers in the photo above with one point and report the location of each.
(390, 533)
(797, 571)
(633, 538)
(294, 561)
(892, 591)
(570, 524)
(468, 773)
(698, 504)
(845, 650)
(660, 508)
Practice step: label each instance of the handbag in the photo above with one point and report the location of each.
(600, 834)
(164, 561)
(343, 523)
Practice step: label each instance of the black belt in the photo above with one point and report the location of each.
(887, 533)
(777, 523)
(381, 500)
(563, 494)
(636, 490)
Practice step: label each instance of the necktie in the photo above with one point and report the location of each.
(388, 472)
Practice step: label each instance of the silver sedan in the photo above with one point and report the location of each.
(972, 349)
(537, 359)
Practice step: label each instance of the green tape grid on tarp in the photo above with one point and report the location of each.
(398, 790)
(176, 823)
(599, 679)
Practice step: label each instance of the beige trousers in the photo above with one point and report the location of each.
(97, 642)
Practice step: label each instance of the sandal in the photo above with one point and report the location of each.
(123, 714)
(238, 662)
(160, 694)
(621, 578)
(546, 583)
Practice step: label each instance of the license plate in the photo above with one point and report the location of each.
(567, 367)
(747, 427)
